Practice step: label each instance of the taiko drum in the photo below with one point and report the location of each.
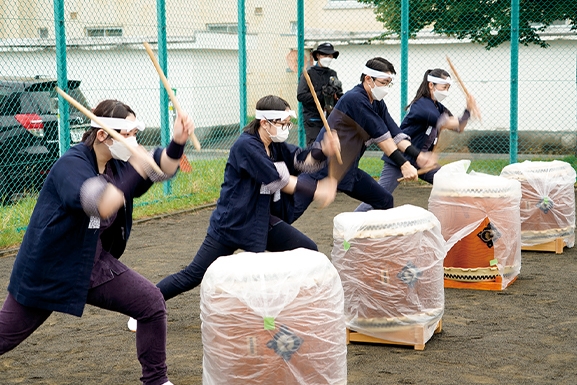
(547, 202)
(305, 343)
(390, 264)
(495, 240)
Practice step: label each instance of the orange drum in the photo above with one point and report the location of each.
(391, 267)
(273, 318)
(548, 201)
(479, 216)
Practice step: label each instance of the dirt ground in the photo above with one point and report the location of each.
(524, 335)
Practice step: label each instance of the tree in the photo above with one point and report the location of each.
(483, 21)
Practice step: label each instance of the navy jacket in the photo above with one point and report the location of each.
(355, 114)
(53, 266)
(242, 213)
(420, 124)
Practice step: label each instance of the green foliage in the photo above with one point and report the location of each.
(486, 22)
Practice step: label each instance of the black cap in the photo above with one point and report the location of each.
(325, 49)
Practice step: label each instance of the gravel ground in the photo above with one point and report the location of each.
(523, 335)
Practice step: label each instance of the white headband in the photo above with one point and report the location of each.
(436, 80)
(377, 74)
(119, 124)
(274, 114)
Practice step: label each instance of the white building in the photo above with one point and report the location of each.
(105, 52)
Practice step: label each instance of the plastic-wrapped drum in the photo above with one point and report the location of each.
(391, 267)
(480, 222)
(273, 318)
(548, 201)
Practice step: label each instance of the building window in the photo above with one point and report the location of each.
(223, 28)
(344, 4)
(559, 22)
(293, 29)
(43, 33)
(103, 31)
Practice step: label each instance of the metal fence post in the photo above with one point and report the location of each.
(301, 63)
(404, 55)
(162, 60)
(514, 80)
(241, 9)
(63, 112)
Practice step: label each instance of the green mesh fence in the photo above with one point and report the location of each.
(538, 71)
(222, 56)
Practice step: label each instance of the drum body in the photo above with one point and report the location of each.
(273, 318)
(548, 201)
(391, 267)
(480, 222)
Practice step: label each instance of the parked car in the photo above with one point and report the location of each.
(29, 131)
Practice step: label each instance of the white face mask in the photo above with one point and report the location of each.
(379, 92)
(120, 151)
(440, 95)
(326, 61)
(281, 135)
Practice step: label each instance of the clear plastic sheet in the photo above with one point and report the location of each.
(548, 201)
(480, 222)
(391, 267)
(273, 318)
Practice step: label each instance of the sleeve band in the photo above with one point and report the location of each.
(412, 151)
(397, 157)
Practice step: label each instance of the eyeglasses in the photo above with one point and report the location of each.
(283, 126)
(383, 84)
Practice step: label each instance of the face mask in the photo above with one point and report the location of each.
(379, 92)
(440, 95)
(281, 135)
(120, 151)
(326, 61)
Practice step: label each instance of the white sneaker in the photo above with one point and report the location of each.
(132, 328)
(168, 383)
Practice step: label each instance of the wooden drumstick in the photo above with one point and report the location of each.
(110, 131)
(169, 91)
(425, 170)
(476, 111)
(421, 171)
(321, 112)
(458, 78)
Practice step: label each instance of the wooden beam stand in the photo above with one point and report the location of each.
(414, 333)
(556, 245)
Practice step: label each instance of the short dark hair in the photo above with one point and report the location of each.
(269, 102)
(423, 90)
(379, 64)
(109, 108)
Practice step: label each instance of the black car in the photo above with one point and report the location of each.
(29, 131)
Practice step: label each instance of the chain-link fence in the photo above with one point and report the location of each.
(526, 91)
(221, 57)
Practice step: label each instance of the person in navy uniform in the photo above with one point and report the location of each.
(422, 124)
(361, 118)
(327, 87)
(259, 167)
(78, 230)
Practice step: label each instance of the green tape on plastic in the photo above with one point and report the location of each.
(269, 323)
(493, 262)
(346, 245)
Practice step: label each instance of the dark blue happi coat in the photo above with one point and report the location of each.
(359, 123)
(53, 266)
(242, 213)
